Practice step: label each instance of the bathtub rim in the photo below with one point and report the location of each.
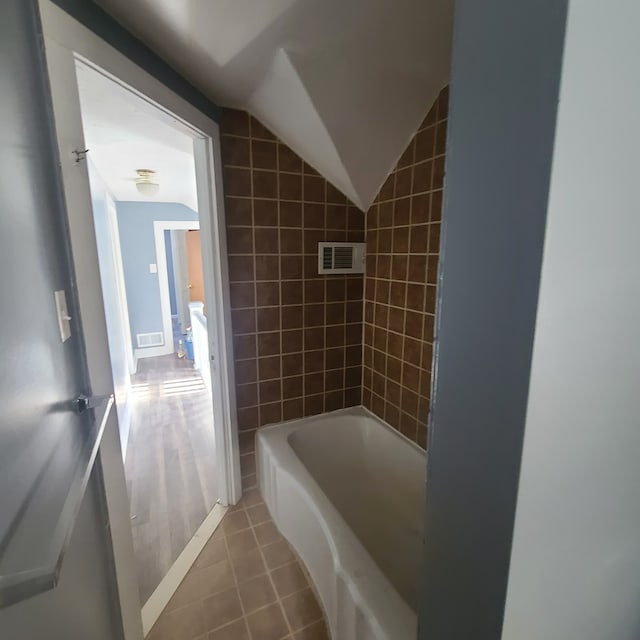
(356, 410)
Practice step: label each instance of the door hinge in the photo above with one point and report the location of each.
(82, 402)
(80, 155)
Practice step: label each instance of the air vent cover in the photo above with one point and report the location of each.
(341, 257)
(155, 339)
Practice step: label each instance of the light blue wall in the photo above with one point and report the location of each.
(135, 220)
(172, 280)
(118, 348)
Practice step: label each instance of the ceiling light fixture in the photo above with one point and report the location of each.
(145, 183)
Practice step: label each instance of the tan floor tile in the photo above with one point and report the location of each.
(267, 533)
(202, 582)
(222, 608)
(187, 623)
(256, 593)
(257, 514)
(288, 579)
(218, 533)
(161, 629)
(234, 522)
(268, 624)
(277, 554)
(235, 631)
(248, 565)
(228, 595)
(236, 507)
(301, 609)
(214, 551)
(233, 508)
(240, 543)
(252, 497)
(317, 631)
(250, 481)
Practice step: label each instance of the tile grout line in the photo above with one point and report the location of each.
(268, 572)
(275, 591)
(255, 281)
(235, 579)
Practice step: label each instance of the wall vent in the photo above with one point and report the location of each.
(341, 257)
(155, 339)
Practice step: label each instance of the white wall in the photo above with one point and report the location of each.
(201, 353)
(575, 564)
(118, 332)
(344, 84)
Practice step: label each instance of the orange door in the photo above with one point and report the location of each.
(194, 266)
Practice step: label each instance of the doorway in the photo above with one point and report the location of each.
(194, 265)
(165, 400)
(66, 64)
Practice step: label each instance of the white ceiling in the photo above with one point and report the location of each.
(345, 83)
(124, 132)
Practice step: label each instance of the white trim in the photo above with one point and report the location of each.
(159, 599)
(159, 227)
(208, 163)
(58, 26)
(66, 40)
(150, 352)
(121, 288)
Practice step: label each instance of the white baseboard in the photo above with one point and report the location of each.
(152, 352)
(159, 599)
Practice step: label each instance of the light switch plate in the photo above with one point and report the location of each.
(64, 323)
(153, 268)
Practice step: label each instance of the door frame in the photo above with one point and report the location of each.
(159, 227)
(66, 41)
(116, 252)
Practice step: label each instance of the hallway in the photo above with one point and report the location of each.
(170, 463)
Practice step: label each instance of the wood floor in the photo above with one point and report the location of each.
(169, 464)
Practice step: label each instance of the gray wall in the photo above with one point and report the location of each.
(119, 346)
(38, 371)
(575, 564)
(81, 606)
(504, 92)
(104, 26)
(135, 220)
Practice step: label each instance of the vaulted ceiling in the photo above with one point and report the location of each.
(344, 83)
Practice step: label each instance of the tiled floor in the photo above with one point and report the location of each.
(247, 584)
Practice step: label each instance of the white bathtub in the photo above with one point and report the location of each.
(348, 493)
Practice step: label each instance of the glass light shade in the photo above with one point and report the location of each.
(147, 188)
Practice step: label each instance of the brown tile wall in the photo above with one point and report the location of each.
(403, 244)
(297, 335)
